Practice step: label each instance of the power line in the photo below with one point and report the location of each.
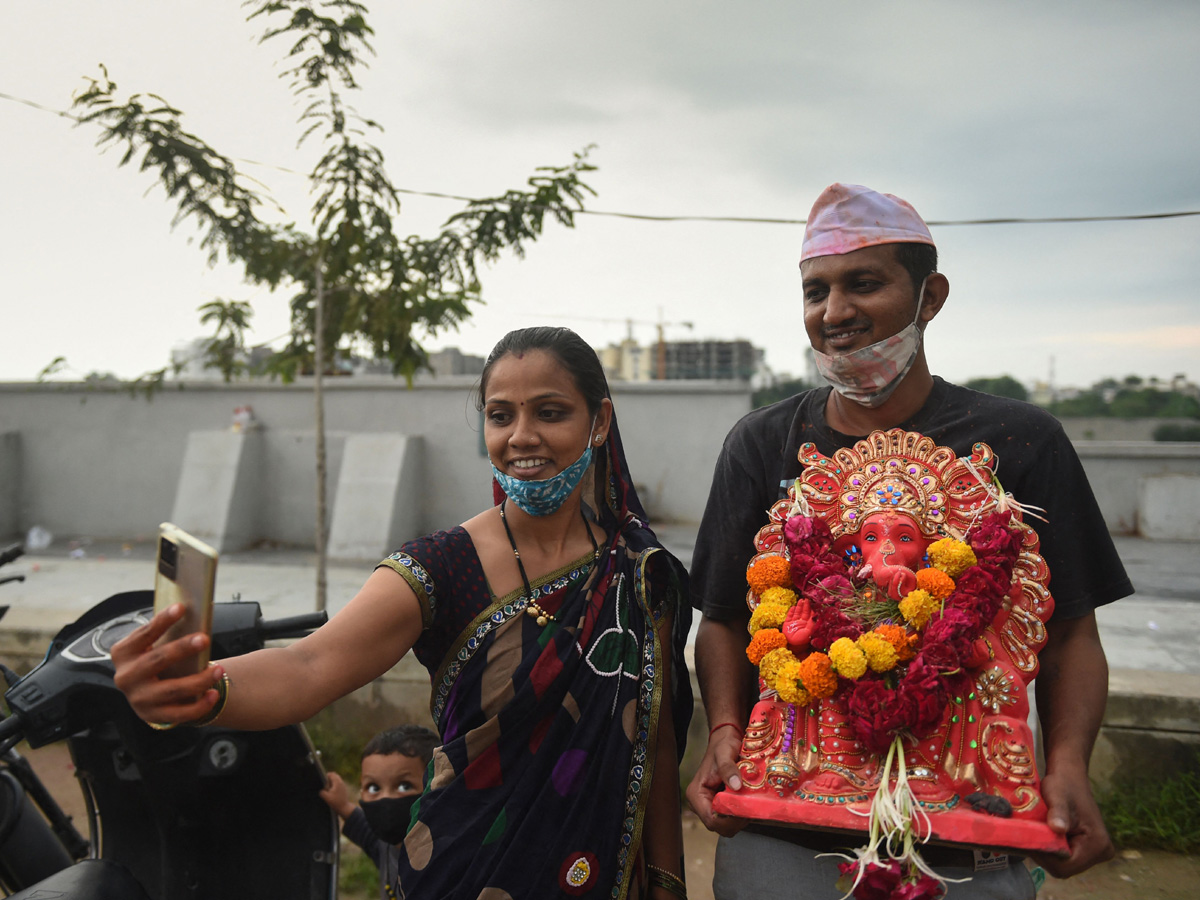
(737, 220)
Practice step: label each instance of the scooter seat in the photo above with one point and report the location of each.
(91, 879)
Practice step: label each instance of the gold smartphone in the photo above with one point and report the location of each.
(186, 573)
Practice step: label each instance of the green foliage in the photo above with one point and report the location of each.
(776, 392)
(378, 292)
(340, 746)
(1130, 398)
(1000, 386)
(1170, 431)
(226, 349)
(1155, 815)
(357, 875)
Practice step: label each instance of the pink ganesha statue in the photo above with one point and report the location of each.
(898, 604)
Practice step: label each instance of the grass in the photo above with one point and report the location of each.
(1159, 815)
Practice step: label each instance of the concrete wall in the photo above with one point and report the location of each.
(1109, 428)
(110, 466)
(1124, 476)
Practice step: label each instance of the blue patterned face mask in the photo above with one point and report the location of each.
(540, 498)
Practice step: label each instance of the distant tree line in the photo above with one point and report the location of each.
(1130, 398)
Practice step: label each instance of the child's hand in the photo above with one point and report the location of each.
(337, 795)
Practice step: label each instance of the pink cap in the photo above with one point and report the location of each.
(848, 217)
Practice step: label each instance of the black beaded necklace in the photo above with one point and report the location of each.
(532, 609)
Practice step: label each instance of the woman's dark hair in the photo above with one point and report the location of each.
(572, 351)
(407, 740)
(919, 260)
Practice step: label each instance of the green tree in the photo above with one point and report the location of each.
(355, 282)
(1000, 386)
(780, 391)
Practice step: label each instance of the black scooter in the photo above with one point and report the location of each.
(185, 814)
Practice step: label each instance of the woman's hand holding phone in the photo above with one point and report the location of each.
(140, 666)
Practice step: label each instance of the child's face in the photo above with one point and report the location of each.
(386, 775)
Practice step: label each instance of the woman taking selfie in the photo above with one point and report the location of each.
(552, 626)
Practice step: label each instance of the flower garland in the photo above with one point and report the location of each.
(893, 665)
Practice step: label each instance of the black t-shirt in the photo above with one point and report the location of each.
(1035, 462)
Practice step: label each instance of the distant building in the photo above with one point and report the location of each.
(452, 361)
(711, 360)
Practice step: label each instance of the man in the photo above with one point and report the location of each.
(871, 287)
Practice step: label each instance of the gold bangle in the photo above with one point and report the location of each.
(668, 881)
(219, 707)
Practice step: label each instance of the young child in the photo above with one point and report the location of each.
(393, 772)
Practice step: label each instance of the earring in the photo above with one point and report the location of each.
(599, 439)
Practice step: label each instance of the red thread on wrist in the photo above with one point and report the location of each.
(712, 730)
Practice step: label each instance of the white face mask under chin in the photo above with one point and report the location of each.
(868, 376)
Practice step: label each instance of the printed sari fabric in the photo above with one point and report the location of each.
(549, 733)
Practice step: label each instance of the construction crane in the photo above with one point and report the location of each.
(660, 326)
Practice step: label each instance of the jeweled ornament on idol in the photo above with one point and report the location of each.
(898, 605)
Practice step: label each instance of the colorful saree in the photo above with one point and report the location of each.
(549, 734)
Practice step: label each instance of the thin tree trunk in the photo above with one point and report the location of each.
(319, 398)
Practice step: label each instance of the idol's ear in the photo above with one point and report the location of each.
(937, 289)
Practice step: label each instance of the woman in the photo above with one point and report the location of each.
(553, 632)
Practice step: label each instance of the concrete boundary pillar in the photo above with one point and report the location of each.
(378, 504)
(220, 486)
(10, 484)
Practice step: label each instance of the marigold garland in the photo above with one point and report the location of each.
(785, 597)
(937, 583)
(917, 607)
(763, 642)
(951, 556)
(816, 671)
(789, 683)
(904, 643)
(769, 572)
(767, 615)
(881, 655)
(848, 659)
(769, 667)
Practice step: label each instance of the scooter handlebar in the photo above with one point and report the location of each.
(292, 626)
(10, 553)
(11, 730)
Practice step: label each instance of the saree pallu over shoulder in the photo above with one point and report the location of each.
(549, 735)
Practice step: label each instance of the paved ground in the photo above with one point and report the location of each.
(1153, 630)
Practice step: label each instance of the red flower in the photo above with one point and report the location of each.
(923, 691)
(993, 538)
(888, 881)
(879, 713)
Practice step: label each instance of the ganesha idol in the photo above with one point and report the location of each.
(898, 605)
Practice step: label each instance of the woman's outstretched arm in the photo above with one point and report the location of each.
(276, 686)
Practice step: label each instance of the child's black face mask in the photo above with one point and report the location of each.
(390, 816)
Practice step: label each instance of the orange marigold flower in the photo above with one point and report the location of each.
(763, 642)
(936, 582)
(789, 685)
(881, 655)
(816, 671)
(769, 572)
(904, 643)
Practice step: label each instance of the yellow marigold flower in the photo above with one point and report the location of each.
(785, 597)
(789, 685)
(816, 671)
(763, 642)
(951, 556)
(768, 572)
(848, 660)
(936, 582)
(904, 643)
(917, 607)
(881, 655)
(767, 615)
(768, 668)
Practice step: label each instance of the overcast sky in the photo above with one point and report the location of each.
(696, 108)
